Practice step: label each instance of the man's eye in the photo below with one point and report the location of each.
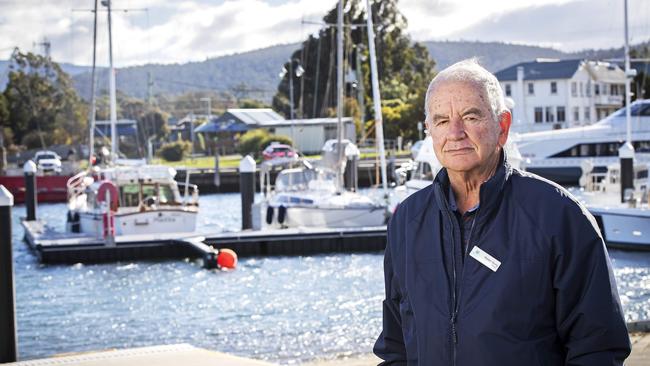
(471, 118)
(440, 122)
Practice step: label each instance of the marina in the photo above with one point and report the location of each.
(110, 255)
(282, 309)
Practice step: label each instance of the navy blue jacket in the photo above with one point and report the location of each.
(553, 300)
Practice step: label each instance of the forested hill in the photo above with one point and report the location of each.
(251, 74)
(254, 74)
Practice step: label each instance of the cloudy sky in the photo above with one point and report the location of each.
(193, 30)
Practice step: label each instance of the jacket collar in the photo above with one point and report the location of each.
(490, 191)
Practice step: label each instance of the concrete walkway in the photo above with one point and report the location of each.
(181, 354)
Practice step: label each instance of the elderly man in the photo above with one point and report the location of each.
(490, 265)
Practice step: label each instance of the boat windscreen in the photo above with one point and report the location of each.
(294, 180)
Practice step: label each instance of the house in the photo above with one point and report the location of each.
(552, 94)
(309, 135)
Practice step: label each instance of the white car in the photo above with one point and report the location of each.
(48, 161)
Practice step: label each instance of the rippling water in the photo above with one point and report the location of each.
(283, 309)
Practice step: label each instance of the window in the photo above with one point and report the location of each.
(582, 94)
(597, 89)
(560, 114)
(614, 89)
(605, 89)
(549, 114)
(539, 114)
(508, 90)
(553, 87)
(587, 114)
(588, 89)
(574, 89)
(576, 114)
(531, 88)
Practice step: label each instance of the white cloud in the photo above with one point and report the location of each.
(192, 30)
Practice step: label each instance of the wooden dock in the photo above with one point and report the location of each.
(56, 247)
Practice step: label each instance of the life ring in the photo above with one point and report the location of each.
(108, 186)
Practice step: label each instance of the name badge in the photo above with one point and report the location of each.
(484, 258)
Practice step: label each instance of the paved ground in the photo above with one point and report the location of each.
(640, 355)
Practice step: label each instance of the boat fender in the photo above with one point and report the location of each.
(107, 186)
(269, 215)
(282, 214)
(227, 259)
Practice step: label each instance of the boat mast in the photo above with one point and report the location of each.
(93, 102)
(628, 74)
(339, 95)
(376, 97)
(111, 86)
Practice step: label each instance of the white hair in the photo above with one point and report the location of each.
(469, 70)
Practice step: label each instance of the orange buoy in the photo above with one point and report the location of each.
(227, 258)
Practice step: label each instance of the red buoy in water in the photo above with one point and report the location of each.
(227, 258)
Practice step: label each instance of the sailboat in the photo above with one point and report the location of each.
(313, 196)
(121, 198)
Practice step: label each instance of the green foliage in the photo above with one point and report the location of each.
(42, 103)
(252, 103)
(175, 151)
(251, 142)
(405, 69)
(254, 141)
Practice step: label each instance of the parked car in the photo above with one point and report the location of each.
(276, 150)
(48, 161)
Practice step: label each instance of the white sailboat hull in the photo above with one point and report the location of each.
(151, 222)
(327, 217)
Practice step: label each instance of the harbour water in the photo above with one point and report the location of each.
(283, 309)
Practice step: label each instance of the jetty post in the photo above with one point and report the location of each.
(247, 168)
(8, 347)
(217, 175)
(29, 169)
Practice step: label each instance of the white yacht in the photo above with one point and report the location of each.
(128, 200)
(558, 154)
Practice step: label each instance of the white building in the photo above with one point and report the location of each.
(551, 94)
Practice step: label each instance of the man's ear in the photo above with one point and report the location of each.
(505, 120)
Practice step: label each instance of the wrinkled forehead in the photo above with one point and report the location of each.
(467, 90)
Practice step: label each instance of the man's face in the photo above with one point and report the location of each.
(465, 135)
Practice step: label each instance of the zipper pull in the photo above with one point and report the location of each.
(454, 335)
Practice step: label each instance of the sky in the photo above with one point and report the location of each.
(165, 31)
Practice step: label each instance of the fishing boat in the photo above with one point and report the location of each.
(122, 196)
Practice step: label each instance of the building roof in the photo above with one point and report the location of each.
(124, 127)
(249, 116)
(606, 72)
(541, 69)
(229, 126)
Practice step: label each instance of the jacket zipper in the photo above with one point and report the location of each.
(456, 299)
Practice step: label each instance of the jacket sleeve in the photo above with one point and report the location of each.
(390, 344)
(589, 317)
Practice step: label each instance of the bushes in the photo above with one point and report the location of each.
(254, 141)
(175, 151)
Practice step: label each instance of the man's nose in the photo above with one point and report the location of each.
(456, 129)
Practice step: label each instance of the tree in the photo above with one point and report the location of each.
(405, 68)
(43, 106)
